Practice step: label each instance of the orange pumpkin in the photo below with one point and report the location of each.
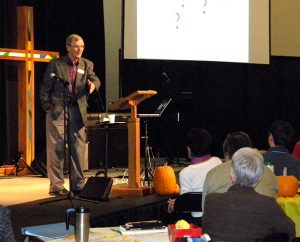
(164, 181)
(287, 186)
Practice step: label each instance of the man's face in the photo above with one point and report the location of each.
(75, 49)
(271, 141)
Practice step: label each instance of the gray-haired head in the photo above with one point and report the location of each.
(73, 37)
(247, 167)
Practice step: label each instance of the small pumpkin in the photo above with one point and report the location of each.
(164, 181)
(287, 186)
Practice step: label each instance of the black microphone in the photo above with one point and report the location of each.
(166, 76)
(65, 82)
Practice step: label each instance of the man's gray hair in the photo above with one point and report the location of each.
(247, 166)
(73, 37)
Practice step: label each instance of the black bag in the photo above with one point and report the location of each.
(97, 188)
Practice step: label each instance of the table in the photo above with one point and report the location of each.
(112, 234)
(291, 206)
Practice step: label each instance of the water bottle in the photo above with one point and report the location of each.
(82, 224)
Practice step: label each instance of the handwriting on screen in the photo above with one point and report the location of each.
(179, 13)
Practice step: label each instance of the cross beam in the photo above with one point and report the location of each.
(26, 55)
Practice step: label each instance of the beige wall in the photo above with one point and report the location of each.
(285, 27)
(112, 26)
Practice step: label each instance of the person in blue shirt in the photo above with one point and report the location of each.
(280, 136)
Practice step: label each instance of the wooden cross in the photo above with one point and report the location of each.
(27, 55)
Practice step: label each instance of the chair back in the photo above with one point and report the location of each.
(276, 237)
(188, 202)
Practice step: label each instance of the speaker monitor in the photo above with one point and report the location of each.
(97, 188)
(117, 146)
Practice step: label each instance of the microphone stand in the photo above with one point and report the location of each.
(67, 149)
(147, 170)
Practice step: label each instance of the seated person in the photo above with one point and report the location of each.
(191, 178)
(6, 231)
(281, 134)
(241, 214)
(296, 150)
(218, 179)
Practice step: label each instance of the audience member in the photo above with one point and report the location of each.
(218, 179)
(241, 214)
(6, 231)
(191, 178)
(280, 136)
(296, 149)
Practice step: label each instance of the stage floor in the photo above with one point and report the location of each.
(23, 196)
(27, 188)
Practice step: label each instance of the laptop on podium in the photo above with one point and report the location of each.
(158, 112)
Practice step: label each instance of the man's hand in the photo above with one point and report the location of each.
(91, 86)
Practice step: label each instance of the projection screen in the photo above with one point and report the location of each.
(197, 30)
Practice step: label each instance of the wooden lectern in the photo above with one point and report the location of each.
(134, 186)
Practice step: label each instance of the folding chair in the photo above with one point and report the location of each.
(187, 203)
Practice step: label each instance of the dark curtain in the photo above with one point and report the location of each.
(221, 97)
(8, 84)
(53, 21)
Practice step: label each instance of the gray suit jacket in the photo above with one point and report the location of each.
(51, 93)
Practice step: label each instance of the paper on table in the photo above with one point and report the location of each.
(113, 235)
(49, 231)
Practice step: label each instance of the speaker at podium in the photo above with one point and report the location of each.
(117, 146)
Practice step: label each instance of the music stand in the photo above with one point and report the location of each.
(157, 114)
(67, 147)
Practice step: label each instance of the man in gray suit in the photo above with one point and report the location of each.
(73, 75)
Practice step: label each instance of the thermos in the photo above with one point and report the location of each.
(82, 223)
